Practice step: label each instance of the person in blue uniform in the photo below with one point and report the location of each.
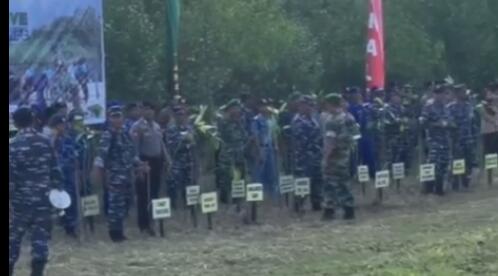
(33, 172)
(437, 122)
(265, 169)
(307, 142)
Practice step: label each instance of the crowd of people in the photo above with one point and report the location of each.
(323, 138)
(43, 85)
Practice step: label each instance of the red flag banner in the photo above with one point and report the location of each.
(375, 71)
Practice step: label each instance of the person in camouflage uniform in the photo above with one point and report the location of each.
(33, 172)
(395, 126)
(437, 122)
(465, 133)
(117, 155)
(234, 140)
(307, 142)
(339, 132)
(377, 112)
(66, 151)
(180, 142)
(409, 137)
(284, 121)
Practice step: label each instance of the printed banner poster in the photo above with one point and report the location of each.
(56, 54)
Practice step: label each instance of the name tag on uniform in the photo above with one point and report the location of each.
(458, 167)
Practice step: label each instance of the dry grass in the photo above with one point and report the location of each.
(407, 235)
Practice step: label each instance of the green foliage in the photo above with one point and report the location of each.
(271, 46)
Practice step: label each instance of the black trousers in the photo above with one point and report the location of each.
(490, 141)
(148, 191)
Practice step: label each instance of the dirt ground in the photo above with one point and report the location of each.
(408, 234)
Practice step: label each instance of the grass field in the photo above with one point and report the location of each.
(407, 235)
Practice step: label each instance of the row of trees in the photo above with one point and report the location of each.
(271, 46)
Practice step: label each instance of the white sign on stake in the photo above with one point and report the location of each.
(254, 192)
(209, 202)
(302, 186)
(90, 205)
(427, 172)
(286, 184)
(458, 167)
(161, 208)
(382, 179)
(398, 171)
(238, 189)
(363, 174)
(193, 193)
(491, 161)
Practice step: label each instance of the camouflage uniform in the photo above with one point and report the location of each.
(33, 172)
(339, 132)
(234, 139)
(67, 153)
(307, 142)
(410, 133)
(284, 122)
(181, 150)
(117, 154)
(437, 121)
(465, 136)
(395, 128)
(377, 120)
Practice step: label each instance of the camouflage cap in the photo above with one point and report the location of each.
(306, 99)
(333, 99)
(232, 103)
(56, 120)
(115, 110)
(75, 115)
(294, 96)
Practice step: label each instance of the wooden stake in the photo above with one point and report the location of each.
(210, 221)
(193, 215)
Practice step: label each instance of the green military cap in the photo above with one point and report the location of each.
(333, 98)
(306, 99)
(459, 88)
(232, 103)
(294, 96)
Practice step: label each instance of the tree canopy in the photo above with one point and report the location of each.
(274, 46)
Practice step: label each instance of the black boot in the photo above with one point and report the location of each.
(348, 213)
(121, 236)
(114, 235)
(466, 181)
(428, 187)
(37, 268)
(439, 187)
(328, 214)
(316, 206)
(71, 232)
(150, 231)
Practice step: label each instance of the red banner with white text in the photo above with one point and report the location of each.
(375, 70)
